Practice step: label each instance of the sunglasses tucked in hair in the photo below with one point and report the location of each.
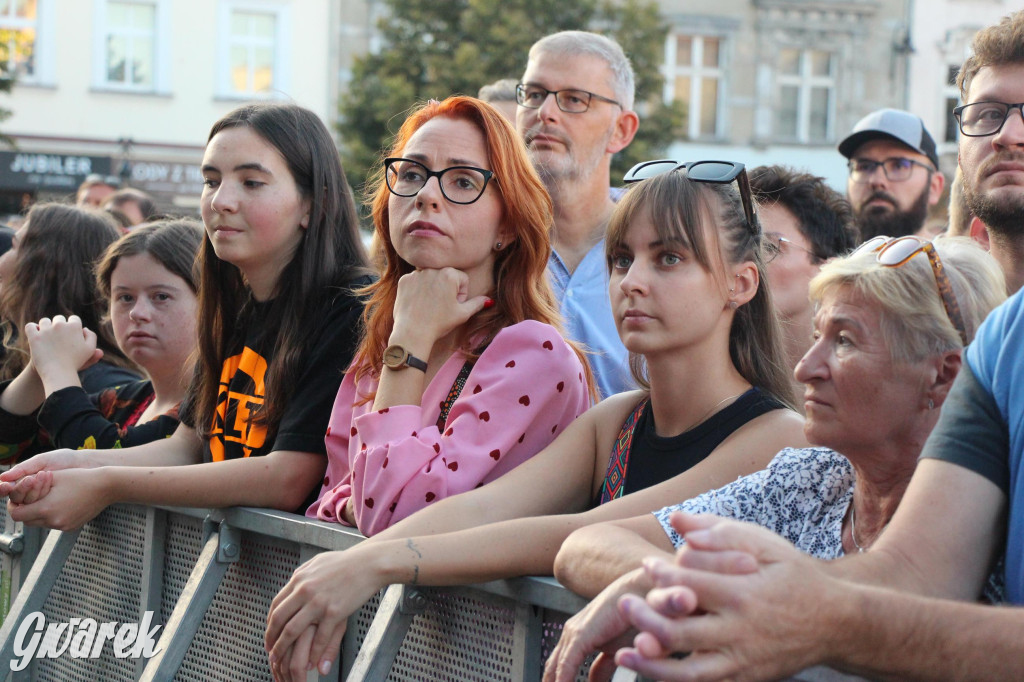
(893, 253)
(716, 172)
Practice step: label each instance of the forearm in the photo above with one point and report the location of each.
(593, 557)
(280, 480)
(183, 447)
(24, 394)
(493, 552)
(899, 636)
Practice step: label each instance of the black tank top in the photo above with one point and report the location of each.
(653, 459)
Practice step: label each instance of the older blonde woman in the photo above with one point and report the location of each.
(890, 324)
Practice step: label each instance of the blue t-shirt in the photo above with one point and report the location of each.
(982, 422)
(583, 300)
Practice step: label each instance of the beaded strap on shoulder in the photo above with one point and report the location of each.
(453, 394)
(619, 462)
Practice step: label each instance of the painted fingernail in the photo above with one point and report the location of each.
(489, 303)
(325, 667)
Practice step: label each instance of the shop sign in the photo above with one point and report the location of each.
(28, 171)
(167, 178)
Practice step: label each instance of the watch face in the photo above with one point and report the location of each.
(394, 356)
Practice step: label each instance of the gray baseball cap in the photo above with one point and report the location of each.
(893, 124)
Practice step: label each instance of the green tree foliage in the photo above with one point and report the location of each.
(436, 48)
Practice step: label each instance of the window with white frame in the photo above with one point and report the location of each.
(951, 95)
(807, 91)
(18, 35)
(129, 31)
(252, 49)
(695, 78)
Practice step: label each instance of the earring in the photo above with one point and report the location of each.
(497, 247)
(931, 404)
(734, 305)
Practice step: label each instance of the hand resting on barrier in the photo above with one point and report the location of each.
(603, 628)
(598, 627)
(39, 495)
(308, 618)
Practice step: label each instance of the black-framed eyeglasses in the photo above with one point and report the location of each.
(459, 184)
(893, 253)
(715, 172)
(981, 119)
(570, 101)
(775, 245)
(895, 168)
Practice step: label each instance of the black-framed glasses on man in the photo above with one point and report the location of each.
(459, 184)
(895, 168)
(981, 119)
(570, 101)
(715, 172)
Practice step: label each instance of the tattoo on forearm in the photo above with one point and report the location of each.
(416, 568)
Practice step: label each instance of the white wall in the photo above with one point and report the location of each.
(69, 105)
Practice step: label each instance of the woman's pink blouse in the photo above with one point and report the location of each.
(523, 391)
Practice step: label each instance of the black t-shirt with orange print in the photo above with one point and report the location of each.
(241, 393)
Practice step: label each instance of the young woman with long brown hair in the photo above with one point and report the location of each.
(278, 322)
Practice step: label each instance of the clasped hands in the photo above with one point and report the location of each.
(61, 347)
(737, 596)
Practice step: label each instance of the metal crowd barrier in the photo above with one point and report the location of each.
(209, 576)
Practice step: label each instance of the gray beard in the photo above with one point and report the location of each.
(896, 223)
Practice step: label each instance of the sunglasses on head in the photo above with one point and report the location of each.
(715, 172)
(893, 253)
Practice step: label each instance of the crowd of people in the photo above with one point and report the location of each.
(763, 425)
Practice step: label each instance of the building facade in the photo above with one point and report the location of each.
(130, 88)
(783, 81)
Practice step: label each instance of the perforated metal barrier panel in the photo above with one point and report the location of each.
(458, 638)
(184, 540)
(101, 580)
(229, 644)
(461, 634)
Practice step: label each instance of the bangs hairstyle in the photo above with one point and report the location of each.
(521, 290)
(328, 258)
(53, 275)
(678, 209)
(914, 322)
(172, 243)
(997, 45)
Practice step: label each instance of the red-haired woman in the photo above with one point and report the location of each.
(461, 375)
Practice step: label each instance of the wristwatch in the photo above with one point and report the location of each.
(396, 357)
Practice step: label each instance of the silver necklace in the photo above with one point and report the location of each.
(712, 411)
(853, 527)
